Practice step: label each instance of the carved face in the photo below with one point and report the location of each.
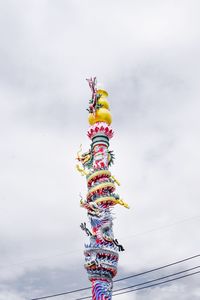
(85, 157)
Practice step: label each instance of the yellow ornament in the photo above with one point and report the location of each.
(103, 93)
(101, 115)
(103, 102)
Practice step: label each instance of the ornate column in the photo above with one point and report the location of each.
(101, 253)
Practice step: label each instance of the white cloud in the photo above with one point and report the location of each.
(146, 53)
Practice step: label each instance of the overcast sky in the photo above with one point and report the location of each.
(146, 54)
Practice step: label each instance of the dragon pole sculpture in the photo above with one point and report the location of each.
(101, 253)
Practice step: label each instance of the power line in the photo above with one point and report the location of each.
(159, 268)
(159, 283)
(163, 227)
(160, 278)
(146, 282)
(76, 250)
(61, 294)
(124, 278)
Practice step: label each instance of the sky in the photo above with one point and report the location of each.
(146, 55)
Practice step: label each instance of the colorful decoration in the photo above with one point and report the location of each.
(101, 253)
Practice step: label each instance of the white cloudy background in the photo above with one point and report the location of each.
(146, 53)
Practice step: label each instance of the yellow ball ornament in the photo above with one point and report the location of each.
(101, 115)
(104, 103)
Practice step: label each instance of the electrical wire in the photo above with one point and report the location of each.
(76, 250)
(159, 268)
(159, 283)
(160, 278)
(146, 282)
(121, 279)
(162, 227)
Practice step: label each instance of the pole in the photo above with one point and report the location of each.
(102, 251)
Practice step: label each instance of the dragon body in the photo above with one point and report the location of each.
(102, 250)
